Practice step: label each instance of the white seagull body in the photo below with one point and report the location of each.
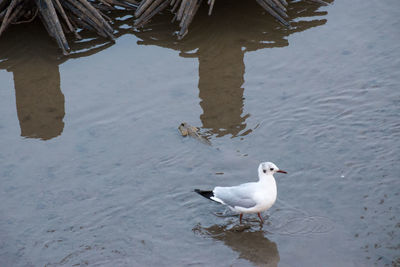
(253, 197)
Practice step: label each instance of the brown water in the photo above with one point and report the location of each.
(94, 172)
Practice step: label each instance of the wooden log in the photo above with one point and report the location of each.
(280, 5)
(189, 19)
(211, 4)
(50, 18)
(90, 18)
(97, 15)
(142, 7)
(179, 14)
(276, 8)
(175, 6)
(272, 12)
(85, 18)
(60, 10)
(17, 12)
(6, 20)
(149, 10)
(154, 12)
(187, 14)
(25, 13)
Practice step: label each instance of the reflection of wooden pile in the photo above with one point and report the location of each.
(185, 10)
(60, 16)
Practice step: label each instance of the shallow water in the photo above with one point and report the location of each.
(94, 172)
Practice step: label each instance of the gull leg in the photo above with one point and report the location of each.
(259, 216)
(240, 217)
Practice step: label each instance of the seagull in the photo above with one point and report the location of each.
(254, 197)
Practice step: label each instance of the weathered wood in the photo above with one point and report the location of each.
(78, 9)
(65, 16)
(62, 16)
(154, 12)
(188, 19)
(150, 9)
(272, 12)
(50, 19)
(211, 4)
(184, 11)
(6, 20)
(97, 15)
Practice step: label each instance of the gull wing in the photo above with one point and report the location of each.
(235, 196)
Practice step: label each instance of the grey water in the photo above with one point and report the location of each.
(93, 170)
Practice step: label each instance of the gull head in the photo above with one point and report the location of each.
(268, 168)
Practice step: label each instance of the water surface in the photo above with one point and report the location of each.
(94, 172)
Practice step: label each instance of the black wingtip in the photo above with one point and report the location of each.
(206, 194)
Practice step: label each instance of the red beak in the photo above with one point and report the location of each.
(281, 171)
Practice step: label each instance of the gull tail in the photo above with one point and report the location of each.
(206, 194)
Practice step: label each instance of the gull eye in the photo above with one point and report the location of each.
(271, 169)
(265, 171)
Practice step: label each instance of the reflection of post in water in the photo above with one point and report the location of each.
(40, 102)
(251, 246)
(220, 90)
(30, 55)
(28, 52)
(220, 42)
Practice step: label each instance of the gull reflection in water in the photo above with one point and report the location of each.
(251, 245)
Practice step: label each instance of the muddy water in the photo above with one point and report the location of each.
(94, 172)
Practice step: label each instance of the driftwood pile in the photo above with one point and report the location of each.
(63, 16)
(68, 16)
(185, 10)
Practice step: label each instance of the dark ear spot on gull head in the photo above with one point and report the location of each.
(269, 168)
